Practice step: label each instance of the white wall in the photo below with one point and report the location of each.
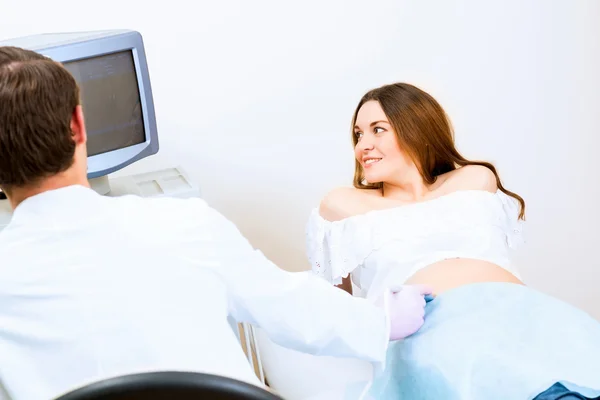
(254, 99)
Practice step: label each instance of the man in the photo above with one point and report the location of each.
(93, 287)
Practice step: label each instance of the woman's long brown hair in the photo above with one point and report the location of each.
(424, 132)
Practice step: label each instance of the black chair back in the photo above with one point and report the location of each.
(170, 385)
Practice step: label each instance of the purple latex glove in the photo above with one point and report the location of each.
(406, 309)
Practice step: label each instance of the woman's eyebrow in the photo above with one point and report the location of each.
(377, 122)
(372, 124)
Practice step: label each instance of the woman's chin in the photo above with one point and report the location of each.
(374, 179)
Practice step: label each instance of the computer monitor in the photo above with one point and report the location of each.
(111, 70)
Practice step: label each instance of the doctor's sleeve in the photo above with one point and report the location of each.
(297, 310)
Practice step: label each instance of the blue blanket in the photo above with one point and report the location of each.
(492, 341)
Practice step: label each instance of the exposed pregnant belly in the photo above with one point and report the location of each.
(448, 274)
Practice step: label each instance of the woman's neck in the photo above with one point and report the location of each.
(406, 191)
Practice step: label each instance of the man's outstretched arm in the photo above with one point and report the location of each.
(296, 310)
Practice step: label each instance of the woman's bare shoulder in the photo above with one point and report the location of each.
(345, 201)
(470, 177)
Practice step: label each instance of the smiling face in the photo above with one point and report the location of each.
(377, 149)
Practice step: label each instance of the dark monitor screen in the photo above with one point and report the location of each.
(111, 101)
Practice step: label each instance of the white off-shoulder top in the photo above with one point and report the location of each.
(399, 241)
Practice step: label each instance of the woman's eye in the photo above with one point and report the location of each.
(378, 129)
(358, 134)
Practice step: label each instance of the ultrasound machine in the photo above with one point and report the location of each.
(111, 70)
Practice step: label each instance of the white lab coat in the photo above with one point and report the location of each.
(94, 287)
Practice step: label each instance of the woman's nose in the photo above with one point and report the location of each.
(365, 144)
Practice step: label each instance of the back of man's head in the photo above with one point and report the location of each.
(37, 100)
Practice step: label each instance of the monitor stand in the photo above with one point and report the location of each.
(101, 185)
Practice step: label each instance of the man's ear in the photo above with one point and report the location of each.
(78, 126)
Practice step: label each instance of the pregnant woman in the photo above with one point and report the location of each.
(420, 213)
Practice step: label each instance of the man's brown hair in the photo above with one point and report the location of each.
(37, 99)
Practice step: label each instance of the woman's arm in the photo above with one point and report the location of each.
(333, 207)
